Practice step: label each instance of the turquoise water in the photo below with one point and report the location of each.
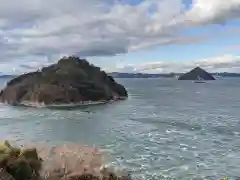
(167, 129)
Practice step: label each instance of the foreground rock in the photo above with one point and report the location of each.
(71, 80)
(19, 164)
(68, 162)
(195, 74)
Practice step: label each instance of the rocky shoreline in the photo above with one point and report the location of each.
(77, 104)
(65, 162)
(69, 105)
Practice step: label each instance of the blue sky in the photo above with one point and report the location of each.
(121, 35)
(209, 47)
(218, 42)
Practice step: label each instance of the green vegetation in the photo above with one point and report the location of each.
(71, 80)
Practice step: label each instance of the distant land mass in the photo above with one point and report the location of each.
(226, 74)
(145, 75)
(196, 74)
(7, 76)
(166, 75)
(139, 75)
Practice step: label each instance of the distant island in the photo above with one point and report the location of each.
(70, 81)
(196, 74)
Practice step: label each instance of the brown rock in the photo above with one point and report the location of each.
(75, 162)
(19, 168)
(30, 154)
(4, 175)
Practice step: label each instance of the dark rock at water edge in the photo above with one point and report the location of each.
(21, 163)
(71, 80)
(195, 74)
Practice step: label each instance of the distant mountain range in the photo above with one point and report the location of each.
(167, 75)
(7, 76)
(139, 75)
(146, 75)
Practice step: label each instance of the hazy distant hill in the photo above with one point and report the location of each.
(140, 75)
(227, 74)
(146, 75)
(170, 75)
(7, 76)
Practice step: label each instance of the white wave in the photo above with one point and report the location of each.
(67, 105)
(42, 104)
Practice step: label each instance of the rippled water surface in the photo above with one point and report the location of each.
(167, 129)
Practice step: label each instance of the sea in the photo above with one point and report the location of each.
(166, 130)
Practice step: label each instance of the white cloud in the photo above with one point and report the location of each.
(47, 29)
(213, 11)
(215, 64)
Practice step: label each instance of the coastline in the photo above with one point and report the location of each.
(68, 161)
(67, 105)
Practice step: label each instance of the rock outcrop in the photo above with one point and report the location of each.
(71, 80)
(19, 163)
(195, 74)
(66, 162)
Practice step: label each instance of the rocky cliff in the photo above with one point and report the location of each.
(71, 80)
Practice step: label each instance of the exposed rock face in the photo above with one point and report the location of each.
(64, 162)
(71, 80)
(195, 73)
(18, 163)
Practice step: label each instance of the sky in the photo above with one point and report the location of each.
(149, 36)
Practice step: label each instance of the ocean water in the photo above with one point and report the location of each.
(167, 129)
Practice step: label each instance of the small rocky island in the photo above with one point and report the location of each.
(70, 81)
(195, 74)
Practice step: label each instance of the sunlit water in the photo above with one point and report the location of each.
(167, 129)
